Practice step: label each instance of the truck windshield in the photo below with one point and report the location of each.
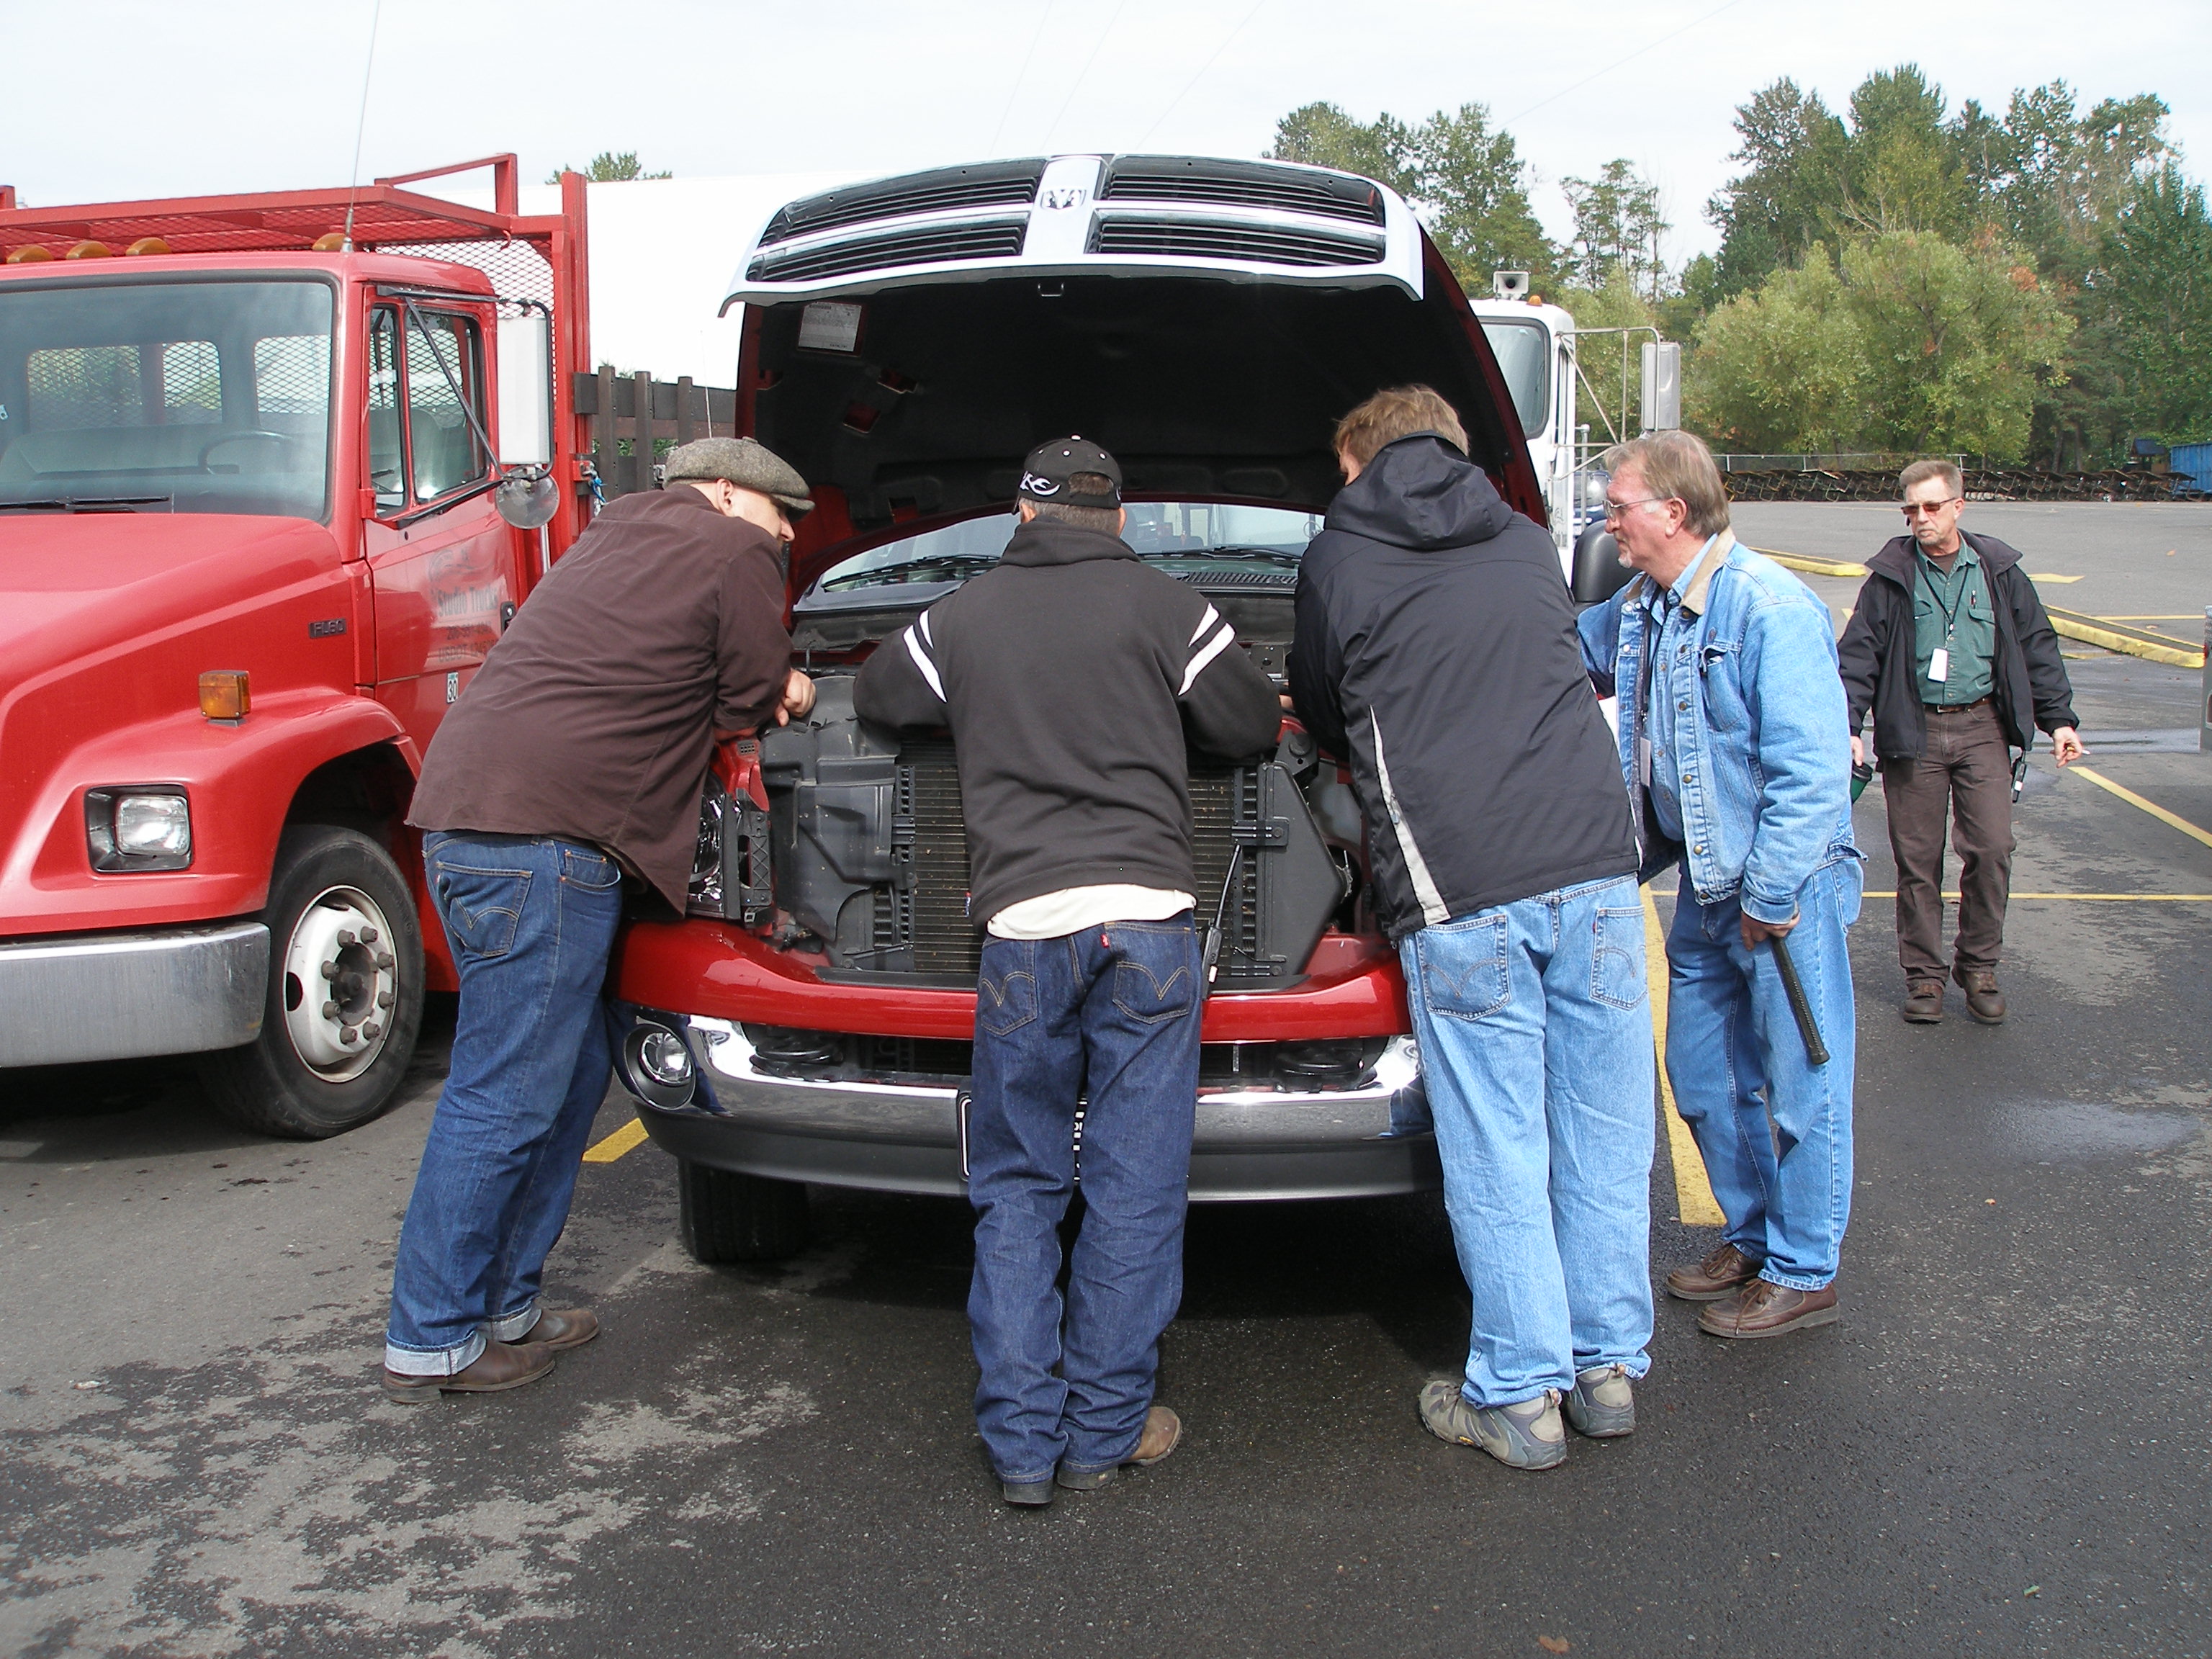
(191, 397)
(1525, 357)
(1185, 538)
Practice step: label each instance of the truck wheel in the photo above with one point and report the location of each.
(345, 993)
(723, 1216)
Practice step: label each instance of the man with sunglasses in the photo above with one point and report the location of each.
(1950, 649)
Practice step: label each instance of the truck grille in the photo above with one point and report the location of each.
(997, 184)
(1247, 183)
(918, 245)
(931, 914)
(1230, 238)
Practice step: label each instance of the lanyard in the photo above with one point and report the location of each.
(1965, 576)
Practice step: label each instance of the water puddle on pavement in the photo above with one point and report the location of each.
(2081, 1130)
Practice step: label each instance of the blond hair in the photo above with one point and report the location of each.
(1395, 412)
(1676, 466)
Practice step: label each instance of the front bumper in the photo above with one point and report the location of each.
(118, 996)
(905, 1136)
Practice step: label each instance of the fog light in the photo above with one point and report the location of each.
(149, 829)
(665, 1059)
(1337, 1064)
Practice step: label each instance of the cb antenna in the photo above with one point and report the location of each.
(361, 125)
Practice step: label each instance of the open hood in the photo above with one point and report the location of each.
(913, 403)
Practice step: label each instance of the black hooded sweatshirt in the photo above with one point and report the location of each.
(1068, 673)
(1437, 651)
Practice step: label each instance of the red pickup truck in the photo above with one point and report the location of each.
(274, 471)
(904, 343)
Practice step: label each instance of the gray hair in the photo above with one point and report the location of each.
(1676, 466)
(1921, 472)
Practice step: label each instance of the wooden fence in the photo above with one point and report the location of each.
(640, 409)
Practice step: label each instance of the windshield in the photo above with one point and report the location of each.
(186, 396)
(1525, 357)
(1184, 538)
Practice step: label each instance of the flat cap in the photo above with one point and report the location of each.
(746, 463)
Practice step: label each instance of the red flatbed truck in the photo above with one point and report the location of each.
(275, 471)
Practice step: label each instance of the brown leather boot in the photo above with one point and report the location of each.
(1163, 1432)
(1765, 1308)
(1923, 1001)
(1984, 1001)
(560, 1327)
(500, 1366)
(1722, 1273)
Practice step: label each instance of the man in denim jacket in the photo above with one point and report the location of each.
(1736, 748)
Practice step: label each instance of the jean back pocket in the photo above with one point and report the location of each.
(1143, 995)
(1463, 967)
(481, 908)
(1617, 975)
(1006, 987)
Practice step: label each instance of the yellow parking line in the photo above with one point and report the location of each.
(1693, 1191)
(1811, 567)
(2098, 899)
(2045, 576)
(2151, 807)
(630, 1134)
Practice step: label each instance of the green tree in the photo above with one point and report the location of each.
(1464, 178)
(1769, 215)
(2155, 285)
(608, 168)
(1905, 167)
(1617, 227)
(1783, 368)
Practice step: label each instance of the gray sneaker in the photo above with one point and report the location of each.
(1602, 1402)
(1526, 1435)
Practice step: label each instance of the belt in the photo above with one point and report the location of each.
(1955, 708)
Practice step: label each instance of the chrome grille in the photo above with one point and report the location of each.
(1229, 239)
(918, 244)
(1250, 184)
(1002, 184)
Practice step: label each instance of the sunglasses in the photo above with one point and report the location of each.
(1927, 509)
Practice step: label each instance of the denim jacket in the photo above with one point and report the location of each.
(1762, 766)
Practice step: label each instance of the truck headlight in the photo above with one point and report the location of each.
(131, 828)
(654, 1064)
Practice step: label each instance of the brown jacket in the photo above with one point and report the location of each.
(593, 717)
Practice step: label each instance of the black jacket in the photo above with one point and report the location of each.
(1879, 653)
(1437, 650)
(1066, 673)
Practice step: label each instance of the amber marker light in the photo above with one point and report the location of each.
(223, 694)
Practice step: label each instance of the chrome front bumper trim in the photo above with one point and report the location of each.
(1250, 1143)
(118, 996)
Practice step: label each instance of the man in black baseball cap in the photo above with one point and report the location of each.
(1068, 673)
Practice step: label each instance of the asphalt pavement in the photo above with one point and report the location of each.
(2002, 1449)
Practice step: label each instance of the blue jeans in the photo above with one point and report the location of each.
(1535, 1025)
(1110, 1015)
(532, 922)
(1775, 1131)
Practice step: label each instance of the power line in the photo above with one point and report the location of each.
(1202, 69)
(1076, 84)
(1021, 75)
(1609, 68)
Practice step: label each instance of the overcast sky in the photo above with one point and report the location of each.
(164, 97)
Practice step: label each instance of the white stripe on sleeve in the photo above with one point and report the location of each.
(1205, 621)
(913, 648)
(1214, 646)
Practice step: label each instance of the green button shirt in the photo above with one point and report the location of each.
(1953, 611)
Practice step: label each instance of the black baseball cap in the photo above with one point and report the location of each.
(1046, 473)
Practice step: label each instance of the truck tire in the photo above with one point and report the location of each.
(723, 1216)
(345, 993)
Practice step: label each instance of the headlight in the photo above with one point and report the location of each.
(654, 1064)
(138, 829)
(663, 1055)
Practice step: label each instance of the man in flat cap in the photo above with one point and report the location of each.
(1069, 675)
(574, 764)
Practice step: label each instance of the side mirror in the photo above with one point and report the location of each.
(527, 501)
(526, 389)
(1599, 572)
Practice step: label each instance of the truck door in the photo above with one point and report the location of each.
(442, 561)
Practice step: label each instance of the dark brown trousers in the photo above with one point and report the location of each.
(1967, 773)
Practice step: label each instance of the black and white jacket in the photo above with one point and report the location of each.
(1070, 675)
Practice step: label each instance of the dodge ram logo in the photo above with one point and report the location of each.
(1068, 196)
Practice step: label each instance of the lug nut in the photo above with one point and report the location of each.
(329, 970)
(347, 1034)
(384, 960)
(345, 936)
(368, 936)
(370, 1030)
(384, 998)
(330, 1011)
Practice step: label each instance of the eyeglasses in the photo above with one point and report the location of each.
(1620, 509)
(1917, 509)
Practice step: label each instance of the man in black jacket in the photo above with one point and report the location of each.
(1950, 649)
(1068, 674)
(1436, 648)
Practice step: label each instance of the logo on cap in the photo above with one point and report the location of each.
(1036, 486)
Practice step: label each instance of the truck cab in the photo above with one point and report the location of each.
(261, 515)
(1535, 345)
(905, 343)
